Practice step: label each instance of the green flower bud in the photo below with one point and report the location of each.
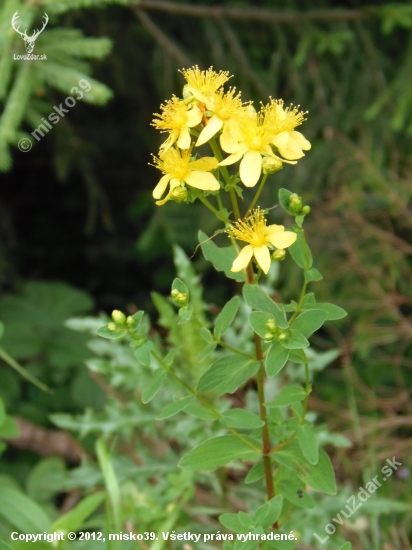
(279, 255)
(283, 336)
(112, 326)
(186, 92)
(271, 165)
(306, 210)
(174, 293)
(295, 202)
(272, 326)
(269, 336)
(118, 317)
(182, 298)
(130, 322)
(179, 194)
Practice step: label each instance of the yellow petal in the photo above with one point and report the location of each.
(273, 229)
(212, 128)
(202, 180)
(300, 140)
(161, 186)
(281, 139)
(234, 157)
(174, 134)
(184, 140)
(205, 164)
(282, 240)
(250, 168)
(262, 256)
(194, 117)
(242, 261)
(227, 142)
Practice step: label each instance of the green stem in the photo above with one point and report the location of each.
(307, 387)
(234, 350)
(210, 206)
(262, 407)
(256, 197)
(203, 401)
(22, 371)
(235, 206)
(299, 306)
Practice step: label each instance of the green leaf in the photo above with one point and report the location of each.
(284, 198)
(221, 258)
(2, 412)
(233, 523)
(143, 353)
(294, 340)
(185, 314)
(287, 396)
(110, 481)
(255, 473)
(301, 253)
(295, 493)
(154, 386)
(74, 519)
(105, 332)
(320, 477)
(269, 512)
(257, 299)
(206, 335)
(174, 408)
(206, 351)
(9, 428)
(308, 443)
(312, 275)
(276, 359)
(346, 546)
(227, 374)
(195, 409)
(4, 546)
(1, 330)
(258, 320)
(309, 321)
(22, 512)
(242, 419)
(333, 313)
(225, 317)
(216, 452)
(180, 286)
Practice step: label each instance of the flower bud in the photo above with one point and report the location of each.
(112, 326)
(130, 322)
(295, 202)
(272, 326)
(271, 165)
(186, 92)
(118, 317)
(181, 298)
(178, 194)
(174, 293)
(283, 335)
(279, 255)
(269, 336)
(306, 210)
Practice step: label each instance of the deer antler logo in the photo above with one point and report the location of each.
(29, 41)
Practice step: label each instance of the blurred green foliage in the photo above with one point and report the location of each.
(78, 207)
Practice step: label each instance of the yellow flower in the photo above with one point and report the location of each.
(178, 169)
(249, 136)
(290, 143)
(223, 107)
(260, 237)
(202, 84)
(177, 117)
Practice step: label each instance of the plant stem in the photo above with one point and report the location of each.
(233, 350)
(256, 197)
(23, 372)
(299, 306)
(263, 415)
(235, 206)
(203, 401)
(210, 206)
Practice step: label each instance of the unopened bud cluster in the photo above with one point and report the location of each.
(295, 202)
(271, 165)
(119, 321)
(274, 332)
(181, 298)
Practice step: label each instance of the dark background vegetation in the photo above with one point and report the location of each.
(78, 207)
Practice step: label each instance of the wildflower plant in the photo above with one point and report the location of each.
(272, 437)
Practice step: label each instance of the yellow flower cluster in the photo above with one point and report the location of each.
(207, 111)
